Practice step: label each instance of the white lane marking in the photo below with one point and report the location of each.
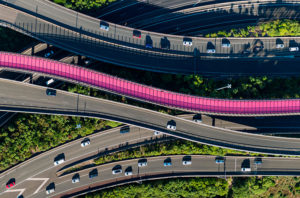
(83, 155)
(17, 190)
(39, 179)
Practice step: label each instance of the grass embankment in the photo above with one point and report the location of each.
(27, 135)
(83, 5)
(174, 147)
(277, 28)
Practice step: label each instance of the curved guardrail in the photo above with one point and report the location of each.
(147, 93)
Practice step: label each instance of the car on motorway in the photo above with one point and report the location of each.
(48, 54)
(136, 34)
(246, 169)
(125, 129)
(157, 133)
(128, 171)
(116, 171)
(49, 82)
(197, 118)
(187, 160)
(149, 45)
(187, 43)
(279, 45)
(293, 49)
(168, 162)
(10, 184)
(93, 173)
(85, 142)
(50, 92)
(49, 191)
(59, 161)
(142, 163)
(76, 178)
(225, 43)
(171, 125)
(211, 51)
(104, 26)
(258, 161)
(258, 46)
(50, 188)
(219, 160)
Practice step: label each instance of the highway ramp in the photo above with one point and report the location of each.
(20, 97)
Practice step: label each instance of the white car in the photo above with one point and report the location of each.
(279, 46)
(141, 164)
(75, 180)
(50, 81)
(116, 171)
(49, 191)
(171, 127)
(294, 49)
(211, 51)
(246, 169)
(57, 162)
(186, 162)
(85, 143)
(157, 133)
(127, 173)
(104, 26)
(187, 43)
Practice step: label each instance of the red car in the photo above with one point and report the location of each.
(136, 34)
(10, 185)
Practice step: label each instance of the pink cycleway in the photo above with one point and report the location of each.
(147, 93)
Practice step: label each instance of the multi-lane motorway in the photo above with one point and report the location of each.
(42, 166)
(19, 97)
(80, 33)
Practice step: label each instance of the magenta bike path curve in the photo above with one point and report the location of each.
(147, 93)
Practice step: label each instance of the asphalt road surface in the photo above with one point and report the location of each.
(42, 166)
(86, 38)
(19, 97)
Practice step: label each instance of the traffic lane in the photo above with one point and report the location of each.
(93, 24)
(153, 120)
(223, 137)
(73, 152)
(205, 164)
(155, 165)
(156, 43)
(66, 101)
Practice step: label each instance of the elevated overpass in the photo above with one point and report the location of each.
(81, 34)
(27, 98)
(149, 94)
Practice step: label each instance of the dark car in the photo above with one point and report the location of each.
(258, 46)
(51, 92)
(93, 173)
(136, 34)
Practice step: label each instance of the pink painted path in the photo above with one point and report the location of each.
(147, 93)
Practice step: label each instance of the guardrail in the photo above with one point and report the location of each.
(147, 93)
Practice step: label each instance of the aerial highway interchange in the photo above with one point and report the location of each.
(80, 34)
